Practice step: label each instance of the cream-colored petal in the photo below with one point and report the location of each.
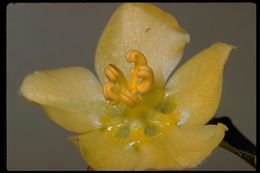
(101, 151)
(154, 156)
(193, 145)
(72, 97)
(180, 148)
(196, 86)
(146, 28)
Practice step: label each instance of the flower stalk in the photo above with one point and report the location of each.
(235, 142)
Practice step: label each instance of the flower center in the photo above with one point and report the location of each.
(117, 89)
(139, 108)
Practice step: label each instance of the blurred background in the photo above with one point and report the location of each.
(52, 35)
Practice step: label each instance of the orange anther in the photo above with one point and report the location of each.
(109, 94)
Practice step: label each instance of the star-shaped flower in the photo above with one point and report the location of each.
(136, 117)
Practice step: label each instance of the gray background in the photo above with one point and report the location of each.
(45, 36)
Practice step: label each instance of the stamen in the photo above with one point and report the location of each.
(130, 98)
(115, 75)
(141, 70)
(109, 94)
(128, 92)
(134, 56)
(146, 73)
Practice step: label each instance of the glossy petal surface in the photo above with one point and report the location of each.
(71, 96)
(103, 152)
(180, 148)
(193, 145)
(146, 28)
(176, 148)
(196, 86)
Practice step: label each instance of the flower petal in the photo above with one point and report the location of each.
(71, 96)
(146, 28)
(104, 152)
(196, 86)
(153, 156)
(180, 148)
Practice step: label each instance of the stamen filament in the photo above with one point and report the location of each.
(130, 98)
(115, 75)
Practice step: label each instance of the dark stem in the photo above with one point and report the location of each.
(236, 142)
(90, 169)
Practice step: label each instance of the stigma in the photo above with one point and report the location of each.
(118, 90)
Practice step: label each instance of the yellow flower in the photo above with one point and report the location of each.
(135, 117)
